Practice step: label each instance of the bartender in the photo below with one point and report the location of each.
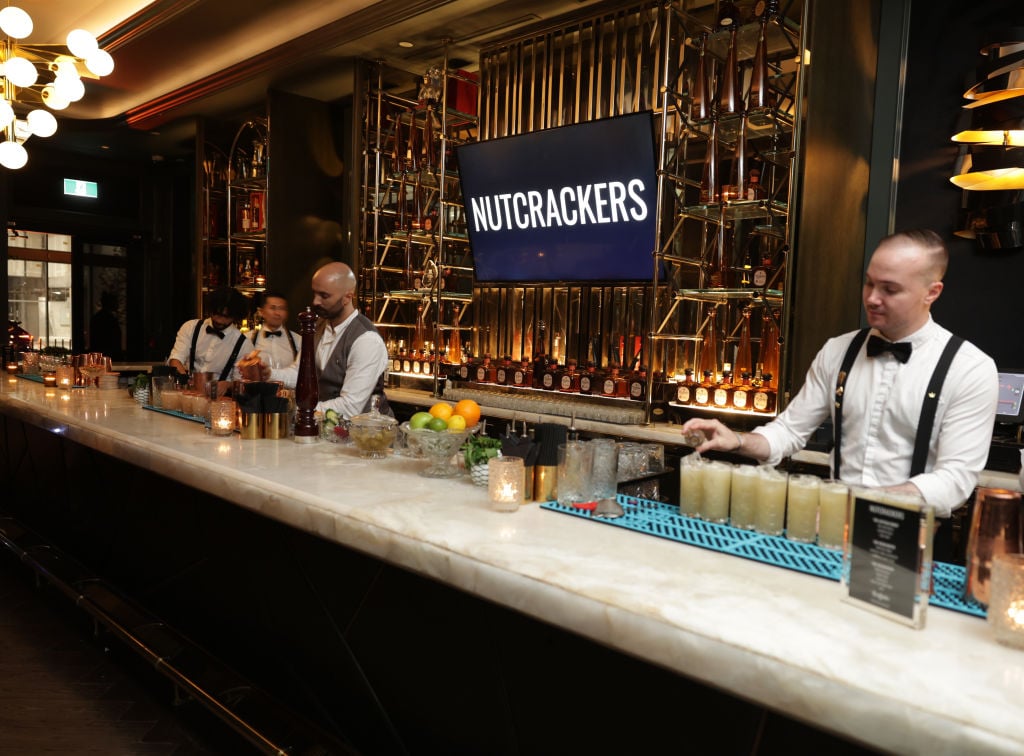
(351, 357)
(214, 343)
(912, 405)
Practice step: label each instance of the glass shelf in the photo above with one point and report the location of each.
(770, 296)
(419, 294)
(735, 210)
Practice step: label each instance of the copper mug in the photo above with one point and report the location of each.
(997, 527)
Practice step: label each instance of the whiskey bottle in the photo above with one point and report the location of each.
(503, 375)
(765, 396)
(702, 393)
(722, 396)
(569, 379)
(638, 385)
(417, 361)
(769, 356)
(549, 375)
(407, 362)
(485, 371)
(684, 388)
(396, 363)
(708, 358)
(730, 96)
(760, 96)
(522, 376)
(589, 380)
(741, 394)
(428, 363)
(614, 384)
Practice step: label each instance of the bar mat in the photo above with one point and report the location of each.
(664, 521)
(38, 379)
(175, 413)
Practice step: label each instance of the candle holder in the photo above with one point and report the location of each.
(65, 376)
(12, 368)
(1006, 599)
(49, 379)
(222, 417)
(506, 483)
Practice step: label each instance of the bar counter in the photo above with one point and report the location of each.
(767, 635)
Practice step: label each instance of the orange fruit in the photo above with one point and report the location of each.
(442, 410)
(468, 409)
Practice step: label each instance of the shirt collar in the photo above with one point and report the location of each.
(919, 337)
(336, 330)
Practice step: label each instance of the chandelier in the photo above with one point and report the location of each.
(32, 76)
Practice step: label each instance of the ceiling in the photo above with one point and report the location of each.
(175, 59)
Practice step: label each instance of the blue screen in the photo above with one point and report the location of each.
(574, 203)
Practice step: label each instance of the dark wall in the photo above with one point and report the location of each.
(982, 289)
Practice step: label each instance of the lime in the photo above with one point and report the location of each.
(438, 424)
(420, 420)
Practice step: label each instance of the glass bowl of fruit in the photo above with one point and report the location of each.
(439, 433)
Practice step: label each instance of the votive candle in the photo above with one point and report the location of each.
(506, 479)
(1006, 599)
(222, 417)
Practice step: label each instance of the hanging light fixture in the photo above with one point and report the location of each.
(32, 76)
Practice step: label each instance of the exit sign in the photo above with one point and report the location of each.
(79, 188)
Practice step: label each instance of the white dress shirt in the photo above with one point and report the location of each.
(881, 406)
(275, 351)
(211, 353)
(367, 359)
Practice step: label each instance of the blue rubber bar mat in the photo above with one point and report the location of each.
(663, 520)
(175, 413)
(39, 379)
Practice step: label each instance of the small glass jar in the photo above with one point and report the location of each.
(222, 417)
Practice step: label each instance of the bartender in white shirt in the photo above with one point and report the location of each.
(878, 386)
(278, 347)
(215, 343)
(351, 357)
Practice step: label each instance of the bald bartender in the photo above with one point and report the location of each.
(881, 385)
(351, 357)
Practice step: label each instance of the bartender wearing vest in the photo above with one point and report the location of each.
(278, 347)
(912, 405)
(213, 344)
(351, 357)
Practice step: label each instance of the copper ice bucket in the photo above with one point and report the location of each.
(997, 527)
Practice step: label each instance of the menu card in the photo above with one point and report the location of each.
(887, 564)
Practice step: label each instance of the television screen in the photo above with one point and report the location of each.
(573, 203)
(1011, 393)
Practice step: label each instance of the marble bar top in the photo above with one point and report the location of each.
(773, 636)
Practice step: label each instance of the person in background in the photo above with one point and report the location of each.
(215, 343)
(881, 379)
(105, 328)
(351, 357)
(278, 347)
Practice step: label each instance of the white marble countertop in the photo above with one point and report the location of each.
(767, 634)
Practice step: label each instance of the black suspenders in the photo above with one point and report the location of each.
(231, 361)
(928, 406)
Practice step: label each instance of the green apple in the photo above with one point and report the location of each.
(420, 420)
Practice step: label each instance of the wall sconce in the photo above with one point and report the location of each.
(991, 159)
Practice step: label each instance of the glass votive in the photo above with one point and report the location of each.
(65, 375)
(1006, 599)
(506, 483)
(222, 417)
(802, 508)
(50, 379)
(12, 368)
(770, 514)
(717, 481)
(833, 502)
(691, 485)
(743, 496)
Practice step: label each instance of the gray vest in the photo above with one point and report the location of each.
(332, 377)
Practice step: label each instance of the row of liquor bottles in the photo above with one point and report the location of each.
(746, 392)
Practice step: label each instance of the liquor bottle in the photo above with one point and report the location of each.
(428, 363)
(503, 376)
(708, 359)
(760, 96)
(722, 395)
(638, 384)
(402, 220)
(412, 156)
(539, 365)
(427, 148)
(522, 376)
(730, 93)
(684, 388)
(744, 362)
(454, 354)
(728, 14)
(765, 396)
(396, 361)
(549, 375)
(246, 220)
(397, 150)
(247, 272)
(755, 189)
(721, 272)
(614, 384)
(569, 379)
(407, 362)
(741, 394)
(769, 355)
(416, 219)
(700, 90)
(464, 368)
(702, 392)
(709, 182)
(485, 371)
(419, 334)
(417, 361)
(737, 189)
(589, 380)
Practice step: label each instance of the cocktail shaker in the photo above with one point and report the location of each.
(997, 527)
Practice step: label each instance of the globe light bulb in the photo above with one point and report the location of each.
(6, 114)
(100, 63)
(52, 100)
(81, 43)
(42, 123)
(69, 88)
(15, 22)
(20, 72)
(12, 155)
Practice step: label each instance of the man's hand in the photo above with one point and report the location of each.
(705, 435)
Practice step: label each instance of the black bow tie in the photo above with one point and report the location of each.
(268, 334)
(900, 349)
(215, 332)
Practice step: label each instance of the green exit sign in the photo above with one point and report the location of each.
(79, 188)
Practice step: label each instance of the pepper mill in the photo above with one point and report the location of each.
(306, 391)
